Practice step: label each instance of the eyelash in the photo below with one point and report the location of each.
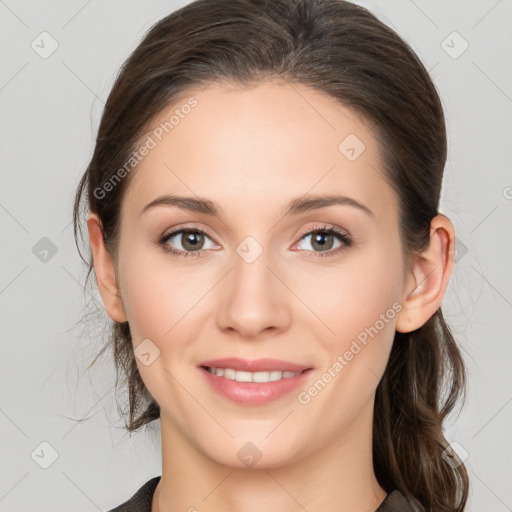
(343, 237)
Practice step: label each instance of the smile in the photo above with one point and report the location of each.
(254, 388)
(243, 376)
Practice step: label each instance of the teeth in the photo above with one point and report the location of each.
(242, 376)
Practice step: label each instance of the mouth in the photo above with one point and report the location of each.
(248, 376)
(252, 389)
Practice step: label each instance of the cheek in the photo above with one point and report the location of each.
(148, 292)
(156, 300)
(160, 297)
(355, 293)
(359, 306)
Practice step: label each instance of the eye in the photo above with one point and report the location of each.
(322, 238)
(190, 239)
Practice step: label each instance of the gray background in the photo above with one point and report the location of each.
(50, 111)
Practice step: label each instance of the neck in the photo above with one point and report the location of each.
(337, 478)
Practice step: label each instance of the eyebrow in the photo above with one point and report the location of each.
(296, 206)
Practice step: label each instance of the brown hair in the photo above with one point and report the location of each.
(344, 51)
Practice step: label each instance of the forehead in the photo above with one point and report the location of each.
(260, 145)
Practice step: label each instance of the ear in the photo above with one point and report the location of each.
(105, 271)
(428, 278)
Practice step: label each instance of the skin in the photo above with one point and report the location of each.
(252, 150)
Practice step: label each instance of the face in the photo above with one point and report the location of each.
(256, 280)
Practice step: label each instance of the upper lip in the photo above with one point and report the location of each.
(255, 365)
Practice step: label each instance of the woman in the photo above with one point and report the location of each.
(265, 235)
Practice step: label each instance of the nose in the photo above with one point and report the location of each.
(254, 297)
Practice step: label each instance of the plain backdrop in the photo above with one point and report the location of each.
(50, 108)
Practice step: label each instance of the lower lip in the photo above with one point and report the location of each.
(254, 393)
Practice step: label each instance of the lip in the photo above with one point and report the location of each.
(254, 394)
(255, 365)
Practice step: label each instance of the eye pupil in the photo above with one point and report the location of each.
(319, 239)
(192, 237)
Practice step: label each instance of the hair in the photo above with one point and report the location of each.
(346, 52)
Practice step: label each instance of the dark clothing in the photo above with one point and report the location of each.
(141, 500)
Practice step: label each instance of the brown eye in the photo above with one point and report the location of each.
(324, 239)
(191, 240)
(185, 242)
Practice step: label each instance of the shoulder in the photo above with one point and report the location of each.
(141, 500)
(395, 502)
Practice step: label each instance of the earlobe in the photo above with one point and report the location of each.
(105, 271)
(428, 277)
